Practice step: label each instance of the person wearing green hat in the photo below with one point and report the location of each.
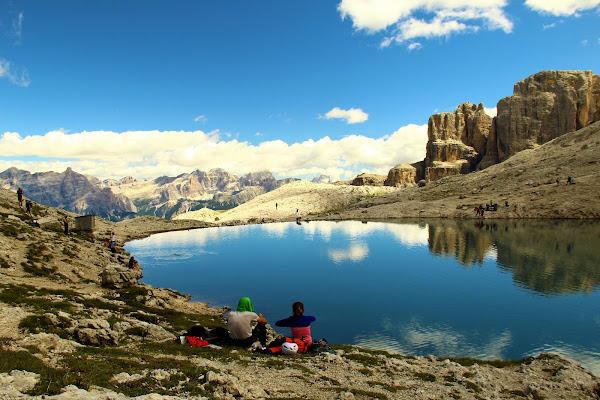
(240, 322)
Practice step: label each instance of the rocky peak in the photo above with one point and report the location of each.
(543, 107)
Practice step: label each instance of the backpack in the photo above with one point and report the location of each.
(302, 347)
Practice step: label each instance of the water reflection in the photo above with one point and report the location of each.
(499, 289)
(547, 257)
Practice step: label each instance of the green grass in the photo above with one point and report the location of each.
(43, 323)
(90, 367)
(37, 298)
(425, 377)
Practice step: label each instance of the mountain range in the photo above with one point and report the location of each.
(129, 197)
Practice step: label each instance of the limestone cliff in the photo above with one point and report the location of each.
(543, 107)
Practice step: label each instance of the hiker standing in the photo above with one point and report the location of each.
(66, 224)
(20, 196)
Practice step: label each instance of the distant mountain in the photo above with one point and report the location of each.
(128, 197)
(216, 189)
(70, 191)
(321, 179)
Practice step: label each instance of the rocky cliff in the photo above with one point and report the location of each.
(70, 191)
(543, 107)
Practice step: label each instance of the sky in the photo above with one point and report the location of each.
(334, 87)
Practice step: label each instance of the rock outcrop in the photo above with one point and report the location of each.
(115, 276)
(402, 175)
(456, 141)
(368, 180)
(543, 107)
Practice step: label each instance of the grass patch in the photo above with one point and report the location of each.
(44, 323)
(473, 386)
(425, 377)
(467, 362)
(389, 388)
(364, 359)
(37, 298)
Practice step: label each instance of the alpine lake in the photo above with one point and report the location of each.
(451, 288)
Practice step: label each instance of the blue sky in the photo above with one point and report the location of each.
(150, 88)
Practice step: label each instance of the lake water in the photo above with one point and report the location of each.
(497, 290)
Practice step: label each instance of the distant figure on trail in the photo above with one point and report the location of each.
(20, 196)
(276, 206)
(569, 180)
(299, 323)
(35, 224)
(66, 224)
(557, 181)
(28, 206)
(113, 242)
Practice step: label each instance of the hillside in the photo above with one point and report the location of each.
(64, 336)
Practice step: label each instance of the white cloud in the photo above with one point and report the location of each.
(9, 72)
(585, 42)
(17, 27)
(352, 116)
(549, 26)
(562, 7)
(491, 111)
(443, 17)
(355, 253)
(414, 46)
(200, 118)
(148, 154)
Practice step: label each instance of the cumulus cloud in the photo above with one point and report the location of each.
(16, 76)
(352, 116)
(148, 154)
(404, 19)
(562, 7)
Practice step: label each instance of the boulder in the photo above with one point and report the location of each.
(368, 180)
(95, 332)
(402, 175)
(115, 276)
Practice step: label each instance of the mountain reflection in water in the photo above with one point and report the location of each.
(549, 257)
(451, 288)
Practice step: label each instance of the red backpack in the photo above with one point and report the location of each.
(302, 347)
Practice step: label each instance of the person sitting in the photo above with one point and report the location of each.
(133, 264)
(299, 323)
(240, 323)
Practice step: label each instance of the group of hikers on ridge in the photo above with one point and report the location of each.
(246, 328)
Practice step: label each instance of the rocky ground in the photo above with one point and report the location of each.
(65, 336)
